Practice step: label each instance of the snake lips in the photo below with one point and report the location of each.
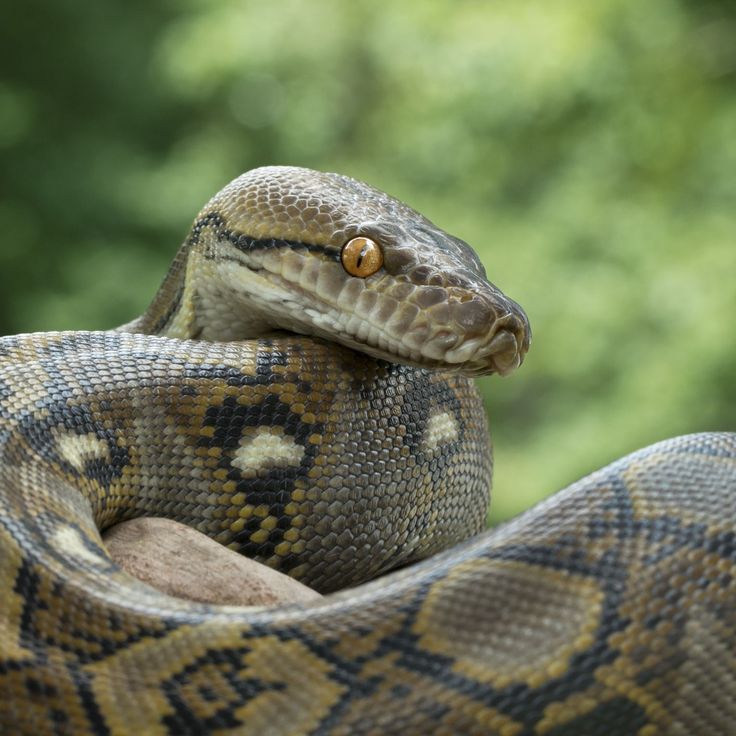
(276, 250)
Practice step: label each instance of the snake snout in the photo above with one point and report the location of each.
(497, 337)
(508, 347)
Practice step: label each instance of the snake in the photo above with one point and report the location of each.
(301, 389)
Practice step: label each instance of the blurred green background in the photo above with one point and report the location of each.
(586, 149)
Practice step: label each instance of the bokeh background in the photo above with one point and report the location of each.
(586, 149)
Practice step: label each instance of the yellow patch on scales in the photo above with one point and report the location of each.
(266, 448)
(441, 428)
(77, 449)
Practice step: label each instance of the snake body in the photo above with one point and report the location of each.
(311, 406)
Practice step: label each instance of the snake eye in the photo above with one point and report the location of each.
(361, 257)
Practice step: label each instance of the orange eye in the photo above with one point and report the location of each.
(361, 257)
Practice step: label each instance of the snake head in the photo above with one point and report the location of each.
(286, 248)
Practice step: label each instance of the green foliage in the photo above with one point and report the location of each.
(586, 150)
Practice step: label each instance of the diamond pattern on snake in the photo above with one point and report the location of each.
(300, 389)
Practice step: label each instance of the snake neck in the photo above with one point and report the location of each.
(172, 305)
(193, 304)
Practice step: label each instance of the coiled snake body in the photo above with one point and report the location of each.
(337, 456)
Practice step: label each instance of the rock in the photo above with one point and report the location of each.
(180, 561)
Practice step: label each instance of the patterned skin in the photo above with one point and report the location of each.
(608, 609)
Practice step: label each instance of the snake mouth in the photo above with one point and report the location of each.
(502, 353)
(473, 337)
(473, 330)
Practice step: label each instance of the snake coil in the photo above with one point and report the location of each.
(299, 389)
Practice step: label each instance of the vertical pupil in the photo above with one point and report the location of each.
(361, 255)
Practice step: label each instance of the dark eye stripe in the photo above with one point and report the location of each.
(248, 244)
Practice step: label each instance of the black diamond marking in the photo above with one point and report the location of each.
(48, 522)
(27, 585)
(58, 413)
(345, 672)
(229, 662)
(272, 486)
(518, 700)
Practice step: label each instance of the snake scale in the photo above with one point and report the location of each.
(301, 390)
